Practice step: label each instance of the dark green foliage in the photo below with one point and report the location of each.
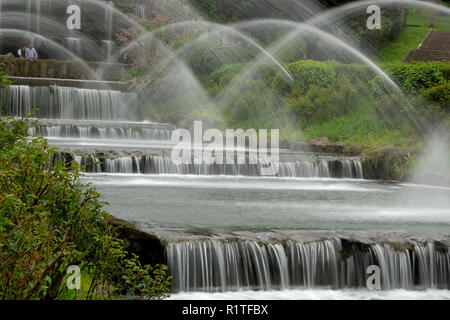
(393, 21)
(4, 81)
(255, 106)
(355, 73)
(226, 11)
(445, 69)
(50, 220)
(346, 102)
(414, 77)
(321, 104)
(206, 58)
(379, 87)
(305, 74)
(221, 77)
(439, 96)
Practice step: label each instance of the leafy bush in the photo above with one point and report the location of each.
(206, 57)
(222, 76)
(50, 220)
(305, 74)
(320, 104)
(353, 72)
(379, 87)
(4, 80)
(439, 95)
(414, 77)
(445, 69)
(254, 106)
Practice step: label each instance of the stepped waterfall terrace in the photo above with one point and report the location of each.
(69, 103)
(317, 225)
(226, 228)
(247, 265)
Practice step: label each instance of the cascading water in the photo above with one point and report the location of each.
(108, 50)
(109, 20)
(194, 201)
(69, 103)
(140, 12)
(74, 45)
(220, 265)
(95, 132)
(317, 168)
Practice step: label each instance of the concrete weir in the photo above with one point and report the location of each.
(291, 259)
(75, 73)
(74, 83)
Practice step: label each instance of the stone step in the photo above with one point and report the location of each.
(437, 40)
(434, 47)
(427, 56)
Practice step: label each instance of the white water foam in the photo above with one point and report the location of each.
(318, 294)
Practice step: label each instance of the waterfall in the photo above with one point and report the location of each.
(163, 165)
(74, 45)
(69, 103)
(109, 20)
(109, 49)
(140, 12)
(38, 15)
(92, 132)
(220, 265)
(29, 14)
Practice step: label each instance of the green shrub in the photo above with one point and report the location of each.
(445, 69)
(440, 95)
(353, 72)
(254, 106)
(4, 80)
(206, 57)
(305, 74)
(149, 26)
(414, 77)
(320, 104)
(50, 220)
(222, 76)
(379, 87)
(134, 73)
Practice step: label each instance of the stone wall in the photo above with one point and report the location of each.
(74, 69)
(149, 248)
(387, 163)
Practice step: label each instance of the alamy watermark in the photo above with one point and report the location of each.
(374, 20)
(74, 280)
(231, 147)
(73, 22)
(373, 281)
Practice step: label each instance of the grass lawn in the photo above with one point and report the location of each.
(395, 51)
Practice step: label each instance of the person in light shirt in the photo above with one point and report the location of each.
(31, 52)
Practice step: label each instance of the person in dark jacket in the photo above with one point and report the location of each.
(21, 53)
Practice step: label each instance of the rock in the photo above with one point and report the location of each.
(284, 144)
(149, 248)
(354, 151)
(324, 145)
(386, 163)
(321, 141)
(10, 63)
(299, 146)
(334, 148)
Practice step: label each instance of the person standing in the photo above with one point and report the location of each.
(21, 53)
(31, 52)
